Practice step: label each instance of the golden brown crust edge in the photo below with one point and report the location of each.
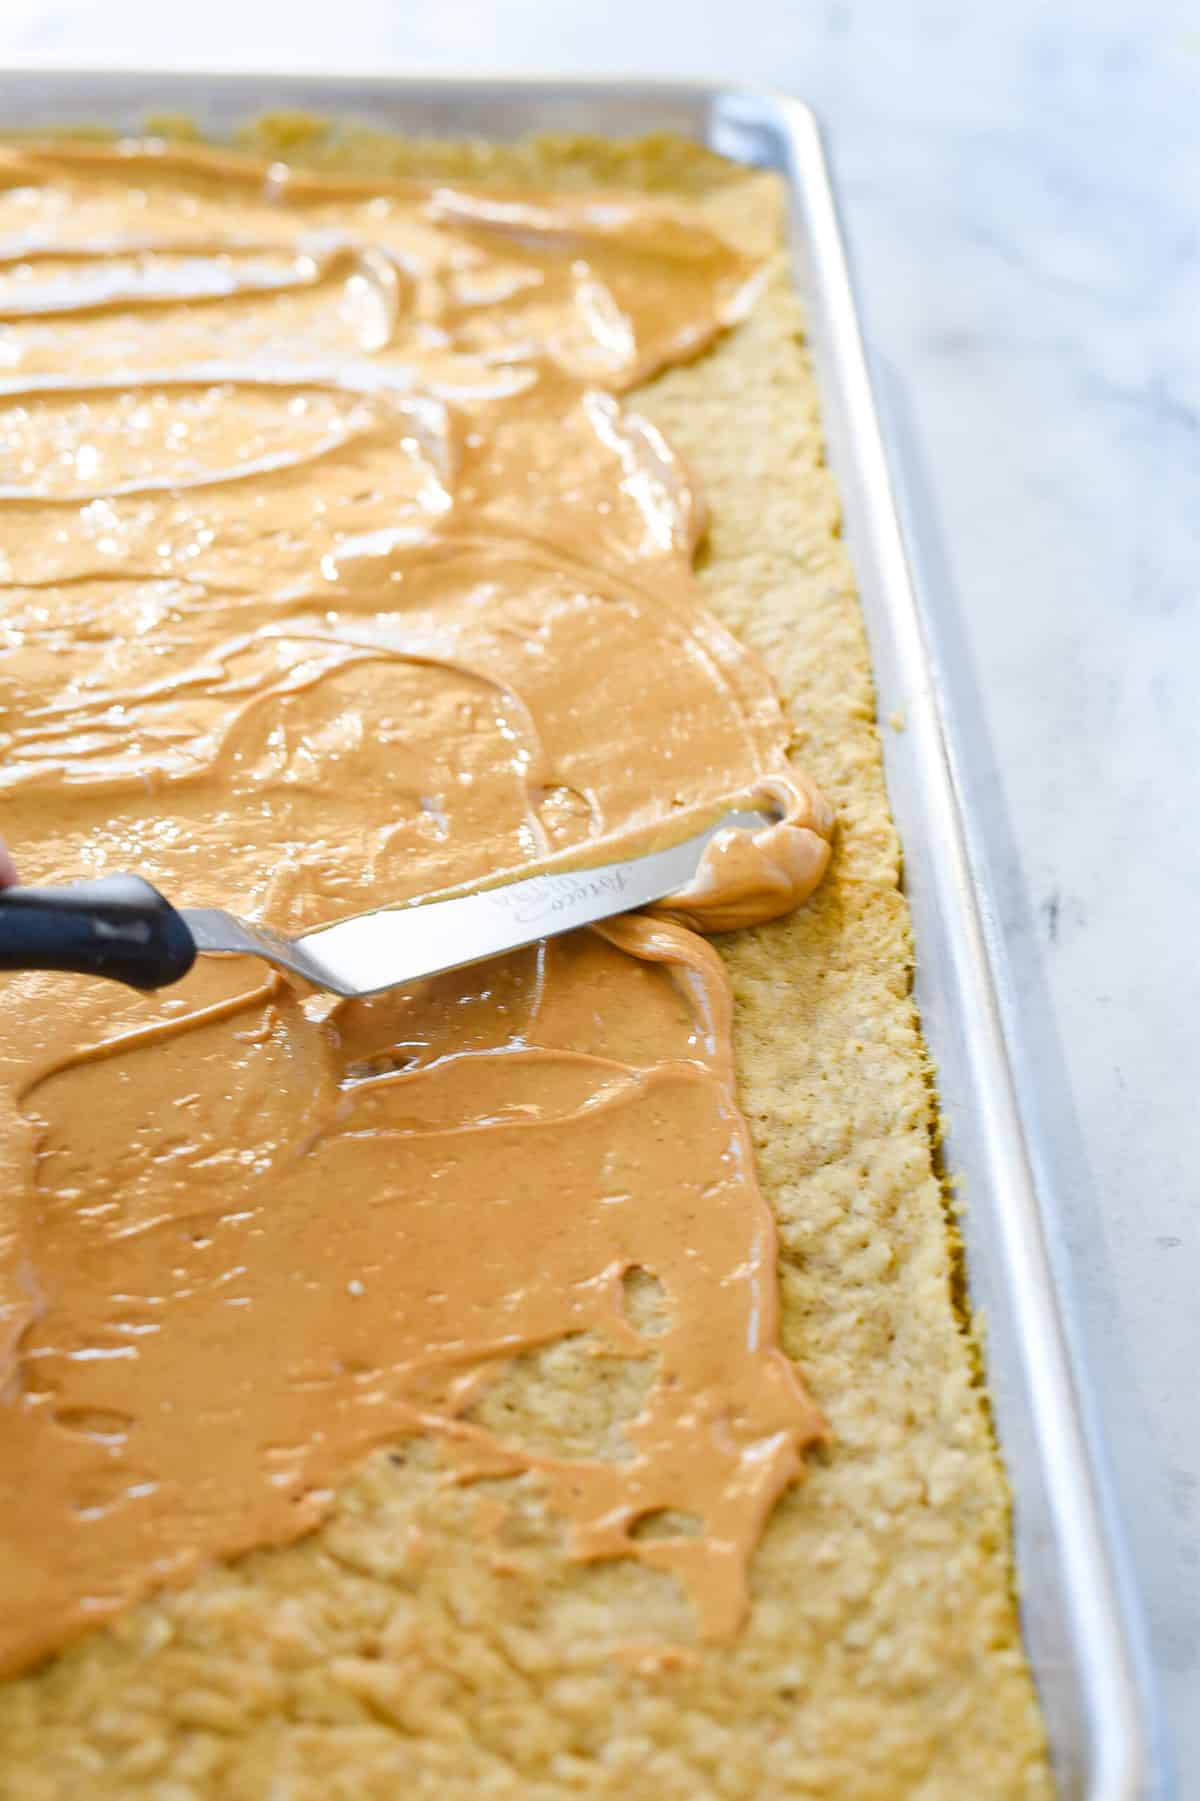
(404, 1650)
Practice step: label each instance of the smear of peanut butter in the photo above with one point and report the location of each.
(335, 573)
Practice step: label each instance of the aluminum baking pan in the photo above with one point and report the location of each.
(1080, 1619)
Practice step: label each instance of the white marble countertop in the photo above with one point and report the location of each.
(1019, 185)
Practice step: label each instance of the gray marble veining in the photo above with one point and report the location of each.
(1020, 189)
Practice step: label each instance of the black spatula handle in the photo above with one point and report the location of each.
(119, 927)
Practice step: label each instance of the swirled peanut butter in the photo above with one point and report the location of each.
(335, 572)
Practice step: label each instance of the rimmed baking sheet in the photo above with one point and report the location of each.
(1080, 1623)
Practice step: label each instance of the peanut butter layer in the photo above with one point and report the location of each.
(336, 573)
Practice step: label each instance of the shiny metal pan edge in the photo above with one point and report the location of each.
(1081, 1621)
(1080, 1616)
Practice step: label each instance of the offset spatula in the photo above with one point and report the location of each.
(123, 928)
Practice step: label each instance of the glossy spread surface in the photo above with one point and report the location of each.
(335, 572)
